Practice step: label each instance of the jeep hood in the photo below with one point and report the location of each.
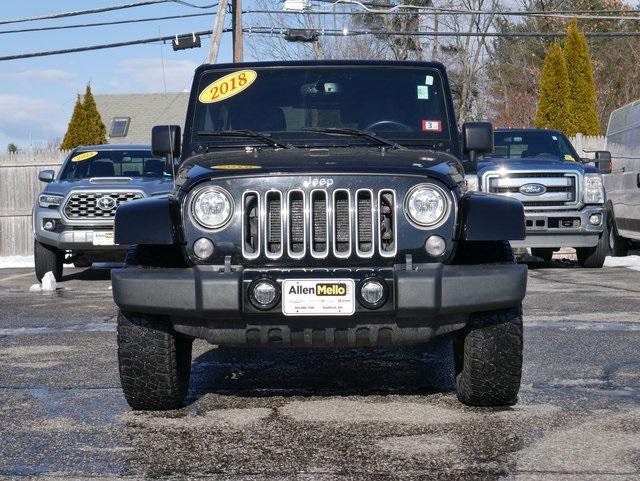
(320, 161)
(151, 186)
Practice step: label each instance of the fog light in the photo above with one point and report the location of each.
(203, 248)
(435, 246)
(372, 293)
(594, 219)
(49, 224)
(264, 294)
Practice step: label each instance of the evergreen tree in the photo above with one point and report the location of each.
(553, 104)
(94, 131)
(582, 87)
(73, 138)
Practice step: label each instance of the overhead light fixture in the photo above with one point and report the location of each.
(296, 5)
(185, 42)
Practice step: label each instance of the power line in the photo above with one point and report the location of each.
(100, 10)
(414, 12)
(346, 32)
(48, 53)
(102, 24)
(567, 14)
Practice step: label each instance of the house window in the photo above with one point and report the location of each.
(119, 127)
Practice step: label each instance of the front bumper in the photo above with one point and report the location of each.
(211, 303)
(78, 237)
(562, 228)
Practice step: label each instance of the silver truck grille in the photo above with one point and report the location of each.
(84, 205)
(562, 189)
(296, 223)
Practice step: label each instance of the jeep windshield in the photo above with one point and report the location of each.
(322, 106)
(533, 144)
(112, 163)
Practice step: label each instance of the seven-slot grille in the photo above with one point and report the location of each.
(561, 188)
(84, 205)
(296, 223)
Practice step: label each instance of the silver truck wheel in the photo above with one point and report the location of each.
(593, 257)
(488, 359)
(154, 362)
(47, 259)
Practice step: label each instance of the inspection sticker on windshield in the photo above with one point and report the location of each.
(423, 92)
(431, 126)
(318, 297)
(83, 156)
(228, 86)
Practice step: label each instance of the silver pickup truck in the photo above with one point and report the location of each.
(73, 216)
(563, 196)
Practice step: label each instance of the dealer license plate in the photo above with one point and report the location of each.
(318, 297)
(105, 238)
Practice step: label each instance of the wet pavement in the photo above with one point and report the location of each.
(325, 414)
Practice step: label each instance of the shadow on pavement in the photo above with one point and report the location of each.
(264, 372)
(87, 274)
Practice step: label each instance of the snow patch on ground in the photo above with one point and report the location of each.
(630, 262)
(14, 262)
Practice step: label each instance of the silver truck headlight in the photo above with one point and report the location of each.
(593, 189)
(426, 205)
(212, 207)
(50, 200)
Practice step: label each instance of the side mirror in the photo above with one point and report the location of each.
(477, 138)
(46, 176)
(165, 141)
(603, 161)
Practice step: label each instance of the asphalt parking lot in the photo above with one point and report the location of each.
(275, 414)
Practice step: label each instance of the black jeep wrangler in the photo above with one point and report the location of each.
(319, 204)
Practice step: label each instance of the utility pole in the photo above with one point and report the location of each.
(217, 31)
(236, 27)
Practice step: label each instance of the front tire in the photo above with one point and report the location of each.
(154, 362)
(488, 359)
(593, 257)
(546, 254)
(47, 259)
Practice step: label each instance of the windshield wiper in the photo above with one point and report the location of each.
(248, 134)
(355, 133)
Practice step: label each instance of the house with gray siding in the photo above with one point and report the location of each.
(130, 117)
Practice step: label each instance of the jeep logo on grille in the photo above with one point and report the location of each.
(532, 189)
(106, 203)
(318, 182)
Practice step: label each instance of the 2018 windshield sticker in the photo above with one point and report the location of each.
(228, 86)
(235, 166)
(83, 156)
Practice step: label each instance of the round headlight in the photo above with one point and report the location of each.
(426, 205)
(212, 208)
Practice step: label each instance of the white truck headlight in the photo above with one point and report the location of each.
(426, 205)
(212, 207)
(593, 189)
(472, 182)
(50, 200)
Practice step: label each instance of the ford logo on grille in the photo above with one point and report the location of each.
(532, 189)
(106, 203)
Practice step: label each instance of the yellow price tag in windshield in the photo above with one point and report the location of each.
(569, 157)
(228, 86)
(84, 156)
